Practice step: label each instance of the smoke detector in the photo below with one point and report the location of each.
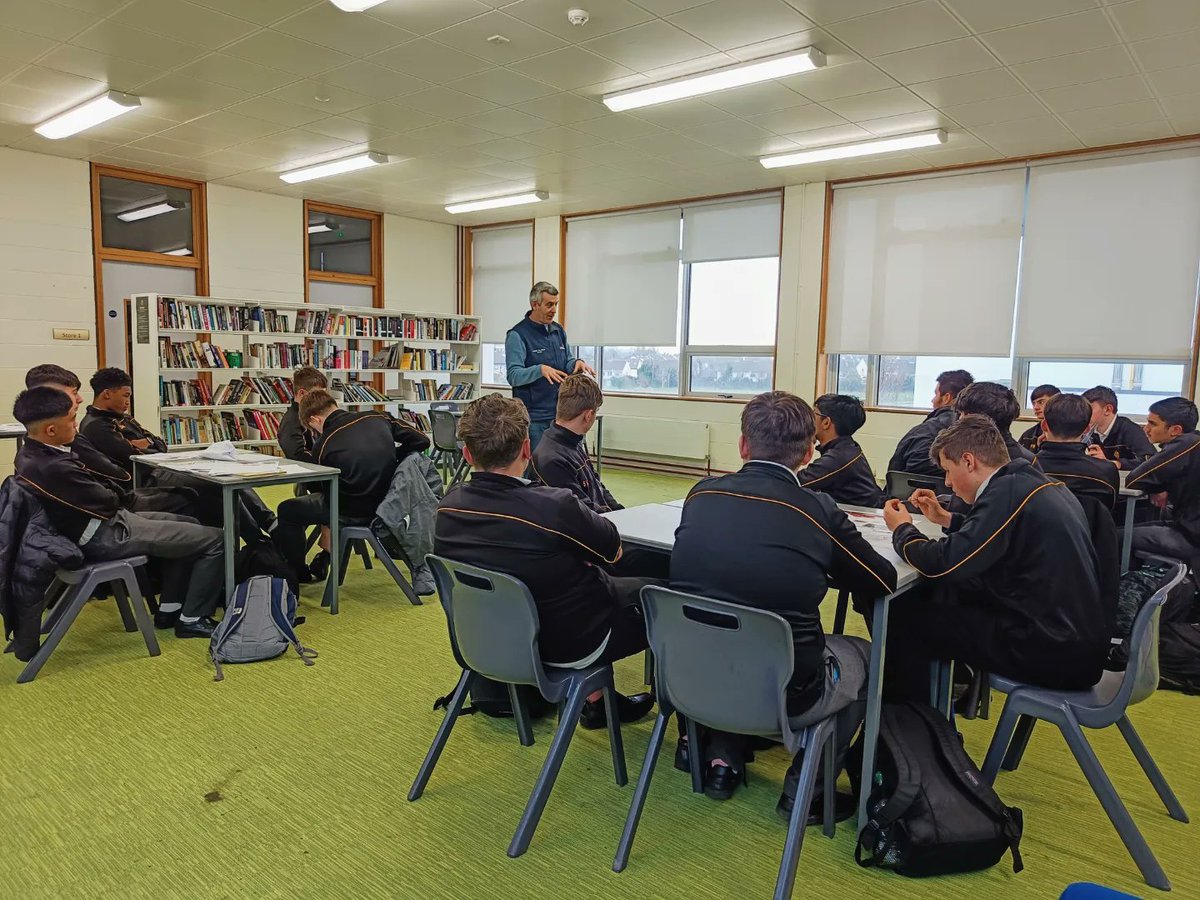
(578, 16)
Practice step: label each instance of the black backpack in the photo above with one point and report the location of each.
(264, 558)
(1178, 633)
(930, 811)
(491, 698)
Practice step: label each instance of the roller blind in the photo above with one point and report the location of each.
(740, 229)
(623, 279)
(1110, 260)
(501, 277)
(925, 267)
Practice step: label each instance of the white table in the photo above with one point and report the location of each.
(15, 431)
(653, 526)
(1132, 496)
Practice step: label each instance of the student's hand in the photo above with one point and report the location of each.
(895, 515)
(581, 366)
(927, 502)
(553, 375)
(1095, 451)
(1159, 499)
(141, 443)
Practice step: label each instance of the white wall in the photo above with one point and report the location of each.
(420, 261)
(255, 245)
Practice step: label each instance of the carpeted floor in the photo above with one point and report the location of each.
(125, 776)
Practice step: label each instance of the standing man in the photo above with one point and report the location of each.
(539, 359)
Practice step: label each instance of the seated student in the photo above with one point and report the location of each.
(295, 439)
(86, 509)
(552, 542)
(1013, 588)
(366, 447)
(842, 472)
(759, 538)
(561, 459)
(1033, 436)
(912, 453)
(1066, 420)
(998, 403)
(1175, 471)
(1115, 438)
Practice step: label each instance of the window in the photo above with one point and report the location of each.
(640, 370)
(343, 255)
(908, 382)
(499, 276)
(1137, 385)
(494, 365)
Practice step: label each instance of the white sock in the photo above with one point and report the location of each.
(189, 619)
(169, 607)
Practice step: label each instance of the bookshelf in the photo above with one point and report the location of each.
(209, 368)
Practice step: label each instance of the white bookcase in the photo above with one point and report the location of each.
(190, 355)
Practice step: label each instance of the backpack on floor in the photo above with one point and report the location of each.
(491, 698)
(1179, 657)
(930, 811)
(257, 625)
(1178, 631)
(264, 558)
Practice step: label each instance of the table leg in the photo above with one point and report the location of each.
(335, 555)
(229, 521)
(1127, 536)
(600, 447)
(879, 629)
(136, 473)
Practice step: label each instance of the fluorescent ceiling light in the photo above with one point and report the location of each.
(180, 251)
(318, 227)
(146, 212)
(107, 106)
(848, 151)
(497, 202)
(355, 5)
(717, 80)
(337, 167)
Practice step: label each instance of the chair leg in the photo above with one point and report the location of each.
(1001, 741)
(621, 860)
(828, 815)
(521, 715)
(443, 734)
(648, 668)
(141, 613)
(695, 757)
(314, 535)
(614, 736)
(1133, 739)
(546, 778)
(795, 833)
(75, 600)
(392, 569)
(360, 547)
(1103, 788)
(1016, 749)
(60, 606)
(985, 697)
(122, 600)
(839, 615)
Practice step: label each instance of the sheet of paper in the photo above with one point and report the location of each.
(242, 469)
(179, 454)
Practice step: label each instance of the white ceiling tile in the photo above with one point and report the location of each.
(1096, 93)
(290, 145)
(995, 111)
(448, 134)
(907, 123)
(969, 88)
(1141, 19)
(840, 81)
(427, 16)
(373, 81)
(1077, 68)
(202, 143)
(120, 40)
(237, 159)
(499, 168)
(804, 118)
(980, 153)
(826, 11)
(990, 15)
(392, 116)
(333, 100)
(183, 21)
(231, 71)
(914, 25)
(509, 149)
(96, 7)
(117, 72)
(523, 40)
(22, 47)
(1182, 105)
(356, 35)
(1168, 82)
(350, 130)
(563, 109)
(277, 111)
(836, 53)
(739, 138)
(834, 134)
(944, 60)
(445, 103)
(571, 67)
(755, 99)
(1028, 136)
(261, 12)
(234, 124)
(613, 127)
(610, 154)
(203, 96)
(48, 20)
(433, 62)
(683, 114)
(559, 137)
(467, 158)
(502, 86)
(505, 122)
(893, 102)
(649, 46)
(1113, 116)
(606, 17)
(725, 24)
(1052, 37)
(72, 148)
(1122, 134)
(668, 7)
(61, 85)
(282, 51)
(1162, 53)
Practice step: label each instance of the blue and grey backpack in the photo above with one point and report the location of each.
(257, 625)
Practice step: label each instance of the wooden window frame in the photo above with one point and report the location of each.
(198, 261)
(373, 281)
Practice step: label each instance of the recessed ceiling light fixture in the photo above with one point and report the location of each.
(784, 64)
(158, 208)
(497, 202)
(179, 251)
(849, 151)
(107, 106)
(355, 5)
(336, 167)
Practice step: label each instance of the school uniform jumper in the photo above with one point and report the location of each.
(1126, 444)
(561, 460)
(1084, 475)
(1176, 470)
(842, 472)
(295, 440)
(912, 453)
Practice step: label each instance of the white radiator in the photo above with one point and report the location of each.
(655, 437)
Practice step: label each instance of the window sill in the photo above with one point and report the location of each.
(692, 398)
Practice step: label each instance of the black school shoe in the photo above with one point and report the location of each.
(319, 567)
(629, 709)
(201, 628)
(163, 620)
(721, 781)
(843, 808)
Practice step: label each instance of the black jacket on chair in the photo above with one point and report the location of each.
(842, 472)
(1127, 444)
(112, 434)
(561, 460)
(1176, 470)
(912, 453)
(1085, 475)
(366, 446)
(758, 538)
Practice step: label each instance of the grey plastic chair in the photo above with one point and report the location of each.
(727, 667)
(1107, 703)
(360, 538)
(494, 627)
(900, 485)
(72, 588)
(447, 445)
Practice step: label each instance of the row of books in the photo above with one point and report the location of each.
(428, 389)
(191, 355)
(358, 392)
(416, 420)
(176, 314)
(250, 425)
(272, 390)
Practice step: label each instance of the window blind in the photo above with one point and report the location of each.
(1110, 262)
(623, 279)
(925, 267)
(738, 229)
(501, 278)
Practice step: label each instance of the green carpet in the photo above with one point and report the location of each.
(125, 776)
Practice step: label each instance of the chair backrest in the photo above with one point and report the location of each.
(445, 429)
(900, 485)
(720, 664)
(493, 622)
(1141, 672)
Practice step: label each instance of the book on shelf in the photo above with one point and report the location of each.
(416, 420)
(181, 315)
(428, 389)
(358, 392)
(419, 360)
(207, 428)
(190, 355)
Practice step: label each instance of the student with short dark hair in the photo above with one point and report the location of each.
(88, 510)
(561, 459)
(1012, 589)
(1066, 420)
(998, 403)
(1032, 437)
(842, 471)
(1175, 472)
(295, 439)
(912, 453)
(1115, 438)
(553, 542)
(760, 538)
